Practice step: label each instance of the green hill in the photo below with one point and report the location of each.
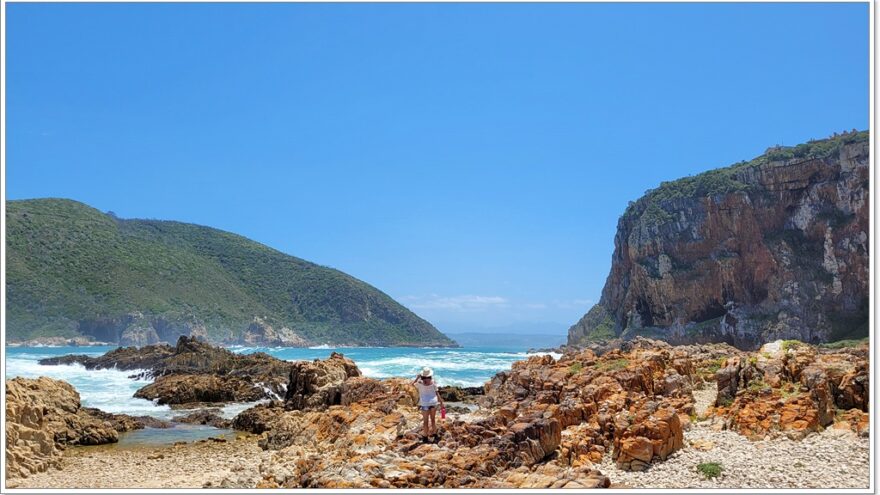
(72, 270)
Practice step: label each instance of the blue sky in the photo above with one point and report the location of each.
(469, 160)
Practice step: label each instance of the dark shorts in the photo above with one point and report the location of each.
(427, 408)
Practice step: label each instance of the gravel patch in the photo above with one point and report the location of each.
(704, 398)
(830, 459)
(231, 464)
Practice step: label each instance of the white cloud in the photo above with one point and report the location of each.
(455, 303)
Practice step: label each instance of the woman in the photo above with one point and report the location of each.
(429, 397)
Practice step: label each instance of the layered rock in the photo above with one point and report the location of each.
(43, 416)
(776, 248)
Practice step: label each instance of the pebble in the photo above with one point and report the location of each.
(775, 463)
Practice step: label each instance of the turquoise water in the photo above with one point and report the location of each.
(112, 390)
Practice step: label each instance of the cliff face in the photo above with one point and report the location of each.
(768, 249)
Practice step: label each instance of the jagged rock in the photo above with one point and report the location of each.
(318, 384)
(791, 389)
(42, 417)
(384, 395)
(191, 356)
(653, 432)
(184, 389)
(852, 390)
(854, 420)
(259, 418)
(735, 372)
(122, 358)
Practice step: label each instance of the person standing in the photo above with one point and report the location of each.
(429, 398)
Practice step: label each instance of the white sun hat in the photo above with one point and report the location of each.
(427, 372)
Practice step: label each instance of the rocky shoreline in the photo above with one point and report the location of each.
(644, 414)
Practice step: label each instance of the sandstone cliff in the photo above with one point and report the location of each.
(774, 248)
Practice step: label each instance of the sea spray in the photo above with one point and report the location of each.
(112, 390)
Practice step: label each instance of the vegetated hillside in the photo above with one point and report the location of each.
(776, 247)
(72, 270)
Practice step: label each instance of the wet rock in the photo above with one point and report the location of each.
(122, 358)
(123, 422)
(209, 417)
(184, 389)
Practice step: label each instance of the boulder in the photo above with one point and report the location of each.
(259, 418)
(209, 417)
(318, 384)
(654, 432)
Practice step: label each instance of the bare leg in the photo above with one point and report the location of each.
(433, 420)
(425, 423)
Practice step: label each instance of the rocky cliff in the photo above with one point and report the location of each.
(773, 248)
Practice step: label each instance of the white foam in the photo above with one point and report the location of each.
(110, 390)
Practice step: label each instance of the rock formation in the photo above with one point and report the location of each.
(194, 371)
(184, 389)
(545, 423)
(43, 416)
(775, 248)
(790, 388)
(318, 384)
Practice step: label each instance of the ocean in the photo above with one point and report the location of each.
(112, 390)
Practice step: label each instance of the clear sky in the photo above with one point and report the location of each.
(469, 160)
